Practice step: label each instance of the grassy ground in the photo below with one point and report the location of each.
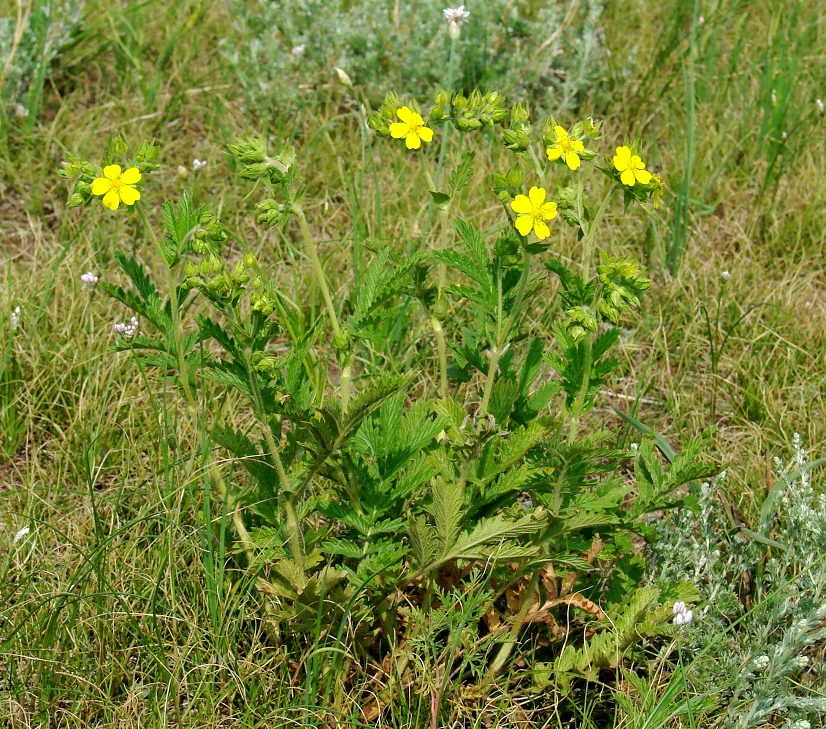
(106, 605)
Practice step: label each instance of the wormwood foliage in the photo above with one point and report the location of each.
(368, 487)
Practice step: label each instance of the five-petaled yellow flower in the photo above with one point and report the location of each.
(566, 148)
(533, 212)
(411, 128)
(631, 166)
(116, 187)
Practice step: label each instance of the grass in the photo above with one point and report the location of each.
(117, 611)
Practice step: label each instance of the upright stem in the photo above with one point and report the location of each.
(319, 271)
(293, 526)
(589, 239)
(503, 333)
(436, 325)
(328, 301)
(579, 403)
(173, 301)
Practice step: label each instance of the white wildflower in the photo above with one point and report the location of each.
(774, 97)
(725, 275)
(89, 279)
(682, 616)
(15, 317)
(298, 51)
(127, 330)
(198, 164)
(821, 107)
(22, 533)
(20, 110)
(455, 17)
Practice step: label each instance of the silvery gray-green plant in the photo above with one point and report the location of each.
(31, 40)
(284, 51)
(763, 596)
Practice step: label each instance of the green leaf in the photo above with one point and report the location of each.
(440, 198)
(447, 510)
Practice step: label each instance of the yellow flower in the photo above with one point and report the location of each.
(566, 148)
(116, 187)
(411, 128)
(533, 212)
(631, 166)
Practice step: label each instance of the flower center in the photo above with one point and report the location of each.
(413, 125)
(537, 213)
(117, 184)
(565, 145)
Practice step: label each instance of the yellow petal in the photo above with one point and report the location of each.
(560, 133)
(112, 172)
(413, 141)
(132, 176)
(416, 120)
(542, 231)
(100, 186)
(549, 210)
(577, 146)
(524, 224)
(622, 159)
(636, 163)
(627, 178)
(111, 200)
(521, 204)
(554, 152)
(426, 133)
(405, 114)
(398, 130)
(129, 195)
(572, 160)
(643, 176)
(537, 195)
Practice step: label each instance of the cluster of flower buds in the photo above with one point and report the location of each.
(256, 163)
(209, 236)
(469, 113)
(126, 329)
(623, 283)
(682, 615)
(517, 137)
(578, 321)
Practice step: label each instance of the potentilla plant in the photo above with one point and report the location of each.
(367, 490)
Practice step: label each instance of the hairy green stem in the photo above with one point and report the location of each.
(503, 333)
(441, 345)
(579, 403)
(328, 301)
(173, 301)
(589, 238)
(293, 526)
(319, 271)
(505, 651)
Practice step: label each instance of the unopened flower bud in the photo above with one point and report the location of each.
(344, 78)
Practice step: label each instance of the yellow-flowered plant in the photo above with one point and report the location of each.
(533, 211)
(117, 187)
(565, 148)
(631, 167)
(411, 128)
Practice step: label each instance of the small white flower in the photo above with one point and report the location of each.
(15, 317)
(89, 279)
(821, 107)
(183, 172)
(725, 275)
(774, 97)
(455, 17)
(701, 20)
(682, 616)
(298, 51)
(198, 164)
(127, 330)
(20, 110)
(22, 533)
